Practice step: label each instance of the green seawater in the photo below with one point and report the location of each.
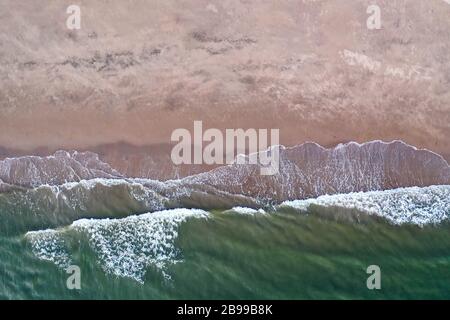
(281, 255)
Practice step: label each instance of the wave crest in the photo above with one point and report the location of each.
(419, 206)
(124, 247)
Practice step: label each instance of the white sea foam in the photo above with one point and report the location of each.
(125, 247)
(50, 246)
(245, 210)
(420, 206)
(91, 183)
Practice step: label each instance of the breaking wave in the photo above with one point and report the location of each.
(419, 206)
(51, 206)
(127, 247)
(124, 247)
(46, 192)
(50, 246)
(132, 224)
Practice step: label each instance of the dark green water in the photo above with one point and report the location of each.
(283, 255)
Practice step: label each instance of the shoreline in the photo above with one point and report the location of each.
(163, 149)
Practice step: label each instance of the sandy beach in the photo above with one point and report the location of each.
(133, 73)
(97, 201)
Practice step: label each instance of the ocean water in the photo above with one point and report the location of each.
(306, 249)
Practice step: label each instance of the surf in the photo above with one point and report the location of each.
(127, 247)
